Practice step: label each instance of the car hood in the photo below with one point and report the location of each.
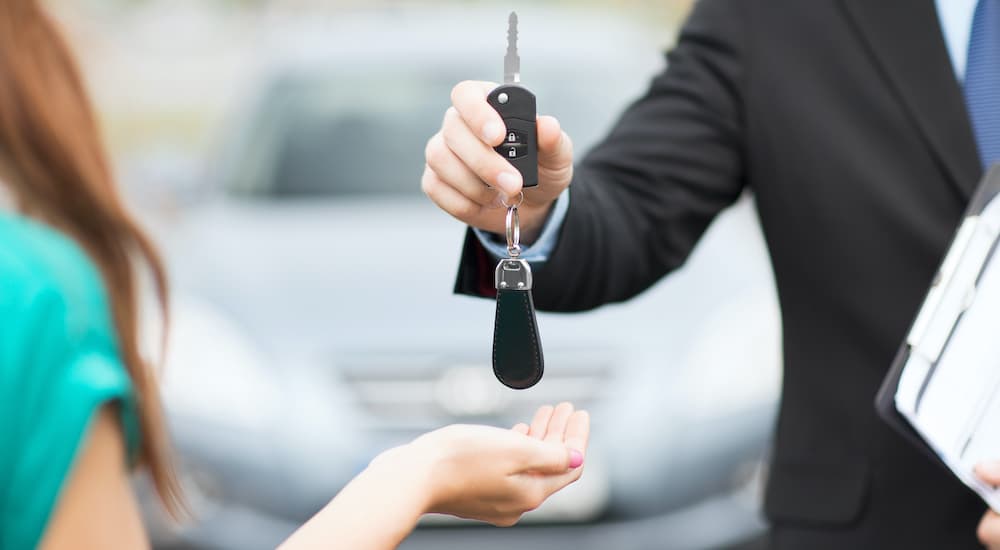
(345, 275)
(322, 279)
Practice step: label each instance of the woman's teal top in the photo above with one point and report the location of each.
(59, 363)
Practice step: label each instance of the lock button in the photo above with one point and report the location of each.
(514, 137)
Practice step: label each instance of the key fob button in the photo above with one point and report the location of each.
(513, 151)
(514, 137)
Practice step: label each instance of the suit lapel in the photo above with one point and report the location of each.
(905, 39)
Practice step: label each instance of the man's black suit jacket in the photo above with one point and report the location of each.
(846, 121)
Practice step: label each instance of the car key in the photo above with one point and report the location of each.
(518, 362)
(516, 106)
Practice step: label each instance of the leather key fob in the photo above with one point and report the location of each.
(517, 349)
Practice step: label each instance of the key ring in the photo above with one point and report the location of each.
(520, 199)
(513, 232)
(513, 226)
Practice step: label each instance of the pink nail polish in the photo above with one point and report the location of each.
(575, 459)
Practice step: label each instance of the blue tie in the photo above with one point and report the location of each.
(982, 80)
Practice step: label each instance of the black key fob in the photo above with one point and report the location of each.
(516, 106)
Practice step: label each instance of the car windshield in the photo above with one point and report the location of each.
(312, 135)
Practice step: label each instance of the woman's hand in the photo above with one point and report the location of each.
(496, 475)
(476, 472)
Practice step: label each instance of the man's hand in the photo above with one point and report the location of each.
(989, 527)
(465, 176)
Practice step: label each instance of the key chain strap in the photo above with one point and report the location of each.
(517, 350)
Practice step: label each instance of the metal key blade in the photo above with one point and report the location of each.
(511, 61)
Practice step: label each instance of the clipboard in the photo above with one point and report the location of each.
(948, 354)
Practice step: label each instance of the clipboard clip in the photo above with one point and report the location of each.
(953, 290)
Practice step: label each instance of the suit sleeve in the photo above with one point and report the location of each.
(643, 197)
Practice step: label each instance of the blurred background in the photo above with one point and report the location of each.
(274, 148)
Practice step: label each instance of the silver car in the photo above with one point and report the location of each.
(317, 325)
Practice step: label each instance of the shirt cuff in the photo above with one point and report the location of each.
(542, 248)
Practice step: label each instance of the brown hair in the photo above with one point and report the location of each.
(58, 171)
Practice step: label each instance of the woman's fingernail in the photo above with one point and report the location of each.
(575, 459)
(509, 182)
(492, 131)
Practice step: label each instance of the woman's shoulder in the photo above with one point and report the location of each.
(59, 363)
(54, 314)
(44, 271)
